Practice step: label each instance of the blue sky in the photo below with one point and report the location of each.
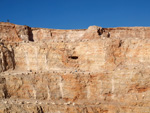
(76, 14)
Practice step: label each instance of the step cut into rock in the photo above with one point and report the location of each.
(94, 70)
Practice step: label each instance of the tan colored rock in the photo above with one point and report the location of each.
(3, 89)
(7, 60)
(104, 70)
(93, 32)
(14, 33)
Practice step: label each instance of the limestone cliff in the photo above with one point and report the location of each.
(94, 70)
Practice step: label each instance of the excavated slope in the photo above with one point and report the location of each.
(94, 70)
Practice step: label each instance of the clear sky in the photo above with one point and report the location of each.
(76, 14)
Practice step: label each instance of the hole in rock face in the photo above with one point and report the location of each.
(108, 35)
(73, 57)
(99, 32)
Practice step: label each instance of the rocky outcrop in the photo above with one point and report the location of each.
(94, 70)
(7, 60)
(15, 33)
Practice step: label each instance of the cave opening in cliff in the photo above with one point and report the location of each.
(73, 57)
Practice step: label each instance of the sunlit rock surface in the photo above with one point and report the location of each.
(94, 70)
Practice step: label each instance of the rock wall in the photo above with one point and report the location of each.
(95, 70)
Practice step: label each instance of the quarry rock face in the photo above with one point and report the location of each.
(94, 70)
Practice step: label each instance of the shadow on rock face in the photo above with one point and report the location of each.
(30, 34)
(7, 60)
(3, 88)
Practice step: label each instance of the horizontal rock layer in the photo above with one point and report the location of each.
(103, 70)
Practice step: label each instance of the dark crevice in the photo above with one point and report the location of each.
(100, 31)
(120, 43)
(13, 58)
(2, 80)
(4, 63)
(108, 35)
(73, 57)
(40, 110)
(6, 91)
(7, 58)
(30, 34)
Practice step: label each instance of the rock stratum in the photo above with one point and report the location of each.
(94, 70)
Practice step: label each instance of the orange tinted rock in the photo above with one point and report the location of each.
(103, 70)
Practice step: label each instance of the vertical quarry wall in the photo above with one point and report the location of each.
(94, 70)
